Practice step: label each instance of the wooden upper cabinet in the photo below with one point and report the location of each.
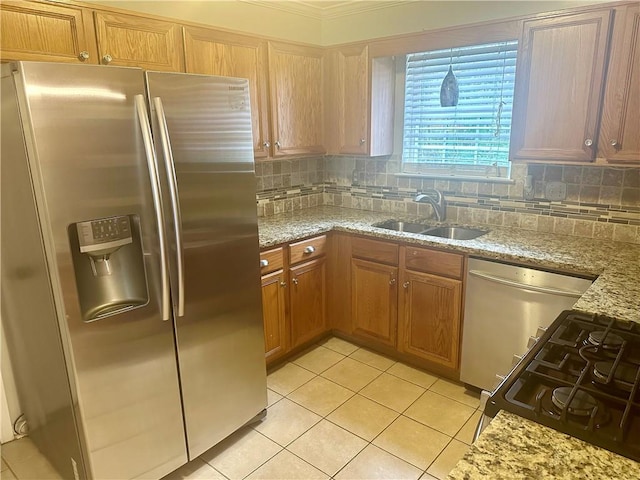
(349, 86)
(46, 32)
(296, 94)
(134, 41)
(360, 96)
(559, 81)
(620, 128)
(212, 52)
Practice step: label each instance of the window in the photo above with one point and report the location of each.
(471, 138)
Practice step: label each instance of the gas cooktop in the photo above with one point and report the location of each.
(582, 378)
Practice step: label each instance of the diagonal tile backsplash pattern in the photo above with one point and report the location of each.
(601, 202)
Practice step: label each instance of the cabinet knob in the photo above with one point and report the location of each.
(392, 281)
(362, 141)
(83, 55)
(405, 285)
(264, 263)
(283, 284)
(295, 281)
(309, 249)
(588, 142)
(266, 144)
(106, 59)
(277, 144)
(614, 144)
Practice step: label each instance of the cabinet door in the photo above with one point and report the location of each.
(374, 301)
(134, 41)
(620, 130)
(295, 85)
(211, 52)
(559, 80)
(430, 317)
(46, 33)
(307, 300)
(273, 313)
(353, 100)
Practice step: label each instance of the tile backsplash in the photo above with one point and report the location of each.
(601, 202)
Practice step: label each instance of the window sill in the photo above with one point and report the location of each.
(461, 178)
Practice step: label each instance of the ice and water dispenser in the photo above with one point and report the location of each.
(109, 266)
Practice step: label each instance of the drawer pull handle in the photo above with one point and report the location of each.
(264, 263)
(309, 249)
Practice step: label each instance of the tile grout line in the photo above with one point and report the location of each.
(368, 442)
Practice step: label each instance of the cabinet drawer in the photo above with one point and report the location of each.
(271, 260)
(382, 252)
(307, 249)
(433, 261)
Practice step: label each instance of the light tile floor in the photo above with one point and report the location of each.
(336, 411)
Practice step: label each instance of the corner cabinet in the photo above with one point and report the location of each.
(430, 311)
(211, 52)
(620, 129)
(360, 96)
(374, 290)
(133, 41)
(559, 82)
(46, 32)
(296, 96)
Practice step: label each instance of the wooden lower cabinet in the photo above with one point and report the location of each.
(307, 300)
(274, 314)
(430, 313)
(374, 301)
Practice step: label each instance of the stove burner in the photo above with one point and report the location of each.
(582, 404)
(623, 376)
(611, 342)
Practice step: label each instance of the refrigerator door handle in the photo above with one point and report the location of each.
(173, 192)
(145, 129)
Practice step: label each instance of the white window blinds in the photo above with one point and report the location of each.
(477, 130)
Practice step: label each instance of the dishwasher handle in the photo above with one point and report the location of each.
(524, 286)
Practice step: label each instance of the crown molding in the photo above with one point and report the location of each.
(320, 10)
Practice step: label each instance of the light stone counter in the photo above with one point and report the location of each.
(514, 448)
(616, 292)
(511, 447)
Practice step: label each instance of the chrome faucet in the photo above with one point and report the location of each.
(437, 203)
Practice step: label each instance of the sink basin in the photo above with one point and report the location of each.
(400, 226)
(454, 233)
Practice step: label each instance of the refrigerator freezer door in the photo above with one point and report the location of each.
(87, 161)
(220, 336)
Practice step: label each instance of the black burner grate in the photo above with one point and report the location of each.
(580, 357)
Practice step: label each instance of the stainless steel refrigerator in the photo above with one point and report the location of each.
(130, 264)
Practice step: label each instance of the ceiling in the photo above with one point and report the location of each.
(321, 9)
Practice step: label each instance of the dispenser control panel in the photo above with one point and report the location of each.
(104, 234)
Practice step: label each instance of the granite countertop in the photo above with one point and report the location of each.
(616, 291)
(513, 448)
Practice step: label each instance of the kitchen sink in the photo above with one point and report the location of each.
(400, 226)
(454, 233)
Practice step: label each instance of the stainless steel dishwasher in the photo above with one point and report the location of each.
(504, 306)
